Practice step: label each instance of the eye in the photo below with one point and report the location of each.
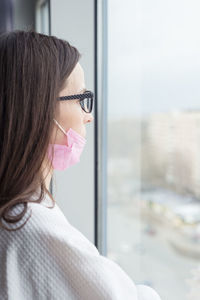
(86, 103)
(79, 103)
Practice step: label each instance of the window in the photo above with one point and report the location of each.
(153, 98)
(42, 17)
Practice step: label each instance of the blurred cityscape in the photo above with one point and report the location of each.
(153, 179)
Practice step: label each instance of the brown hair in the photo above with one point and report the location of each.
(33, 70)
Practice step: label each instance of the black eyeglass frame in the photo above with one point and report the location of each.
(86, 94)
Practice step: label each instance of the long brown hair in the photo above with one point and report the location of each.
(33, 70)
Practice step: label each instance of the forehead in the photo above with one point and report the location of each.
(76, 80)
(77, 74)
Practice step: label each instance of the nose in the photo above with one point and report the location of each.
(89, 118)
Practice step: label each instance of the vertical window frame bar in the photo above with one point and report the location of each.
(100, 130)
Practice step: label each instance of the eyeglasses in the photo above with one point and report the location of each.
(86, 100)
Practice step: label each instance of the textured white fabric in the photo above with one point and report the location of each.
(49, 259)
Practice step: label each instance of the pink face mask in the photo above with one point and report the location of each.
(66, 156)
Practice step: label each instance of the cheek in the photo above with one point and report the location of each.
(78, 125)
(74, 118)
(78, 122)
(69, 113)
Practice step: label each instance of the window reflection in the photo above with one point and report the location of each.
(154, 143)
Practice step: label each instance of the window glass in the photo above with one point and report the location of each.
(42, 17)
(154, 143)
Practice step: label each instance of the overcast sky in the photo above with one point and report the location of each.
(153, 56)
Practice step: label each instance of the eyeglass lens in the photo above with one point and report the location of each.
(86, 104)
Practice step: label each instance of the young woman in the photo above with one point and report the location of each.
(44, 109)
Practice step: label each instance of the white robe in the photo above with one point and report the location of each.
(49, 259)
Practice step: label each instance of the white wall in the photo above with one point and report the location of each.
(73, 188)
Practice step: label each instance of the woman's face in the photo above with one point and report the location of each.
(71, 113)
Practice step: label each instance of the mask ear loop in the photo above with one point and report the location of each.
(60, 127)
